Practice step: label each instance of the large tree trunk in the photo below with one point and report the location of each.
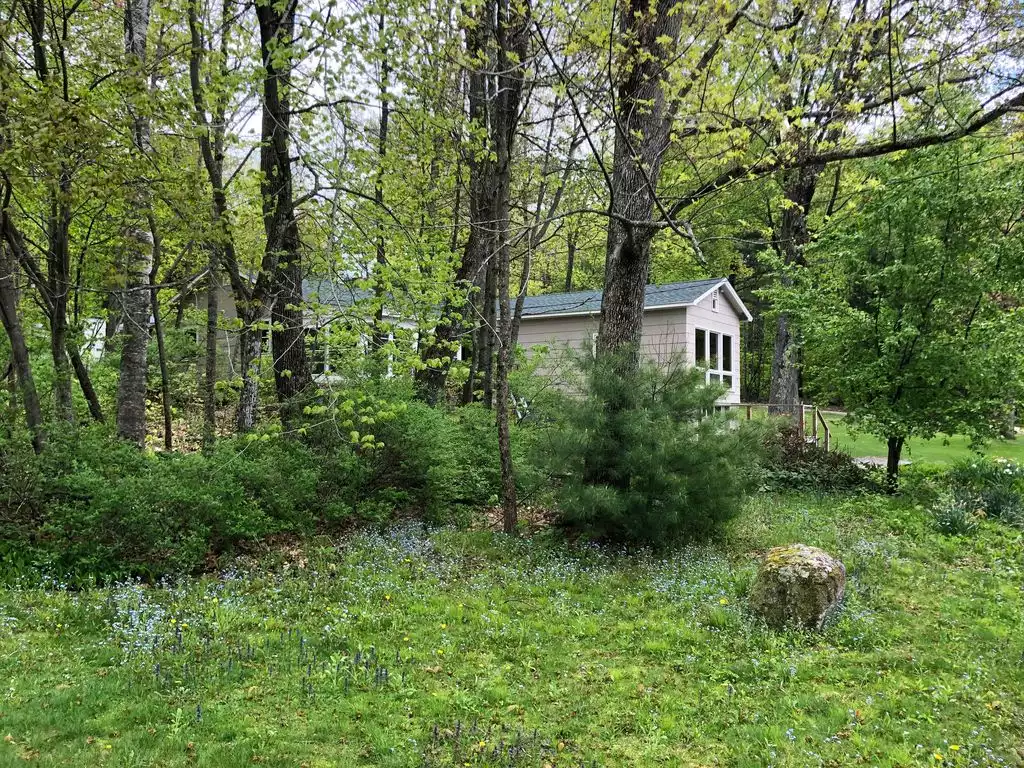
(58, 279)
(791, 237)
(132, 385)
(511, 34)
(11, 319)
(649, 32)
(459, 312)
(283, 248)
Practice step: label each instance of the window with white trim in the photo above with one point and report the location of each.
(714, 351)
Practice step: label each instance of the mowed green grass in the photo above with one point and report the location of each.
(415, 648)
(942, 449)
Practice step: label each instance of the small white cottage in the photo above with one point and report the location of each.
(700, 319)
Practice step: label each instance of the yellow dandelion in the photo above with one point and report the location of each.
(954, 747)
(724, 601)
(938, 757)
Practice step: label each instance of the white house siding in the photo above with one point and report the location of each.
(667, 333)
(723, 321)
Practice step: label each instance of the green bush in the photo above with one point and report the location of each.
(644, 458)
(994, 485)
(792, 463)
(447, 461)
(92, 506)
(954, 516)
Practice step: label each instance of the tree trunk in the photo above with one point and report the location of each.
(643, 120)
(58, 277)
(249, 303)
(380, 331)
(15, 242)
(489, 330)
(512, 35)
(282, 251)
(791, 237)
(158, 331)
(570, 262)
(132, 385)
(210, 363)
(892, 463)
(457, 312)
(19, 350)
(85, 382)
(251, 350)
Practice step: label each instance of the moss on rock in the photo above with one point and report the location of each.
(798, 586)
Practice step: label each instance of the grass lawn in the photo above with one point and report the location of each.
(942, 449)
(408, 648)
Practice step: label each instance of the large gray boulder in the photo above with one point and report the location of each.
(798, 586)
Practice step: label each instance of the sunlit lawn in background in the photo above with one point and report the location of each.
(942, 449)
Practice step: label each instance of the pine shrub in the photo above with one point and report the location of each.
(643, 457)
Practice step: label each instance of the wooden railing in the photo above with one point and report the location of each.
(821, 433)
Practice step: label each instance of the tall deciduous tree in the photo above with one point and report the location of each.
(911, 302)
(139, 244)
(283, 254)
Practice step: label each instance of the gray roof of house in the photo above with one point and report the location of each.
(331, 291)
(340, 293)
(670, 294)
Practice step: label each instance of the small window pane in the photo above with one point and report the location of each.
(726, 353)
(713, 352)
(727, 380)
(317, 353)
(701, 353)
(714, 378)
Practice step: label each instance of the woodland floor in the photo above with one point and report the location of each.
(415, 648)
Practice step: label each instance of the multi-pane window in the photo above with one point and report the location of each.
(714, 351)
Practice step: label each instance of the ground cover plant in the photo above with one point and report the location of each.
(406, 647)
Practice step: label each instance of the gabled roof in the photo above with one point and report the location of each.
(341, 293)
(667, 296)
